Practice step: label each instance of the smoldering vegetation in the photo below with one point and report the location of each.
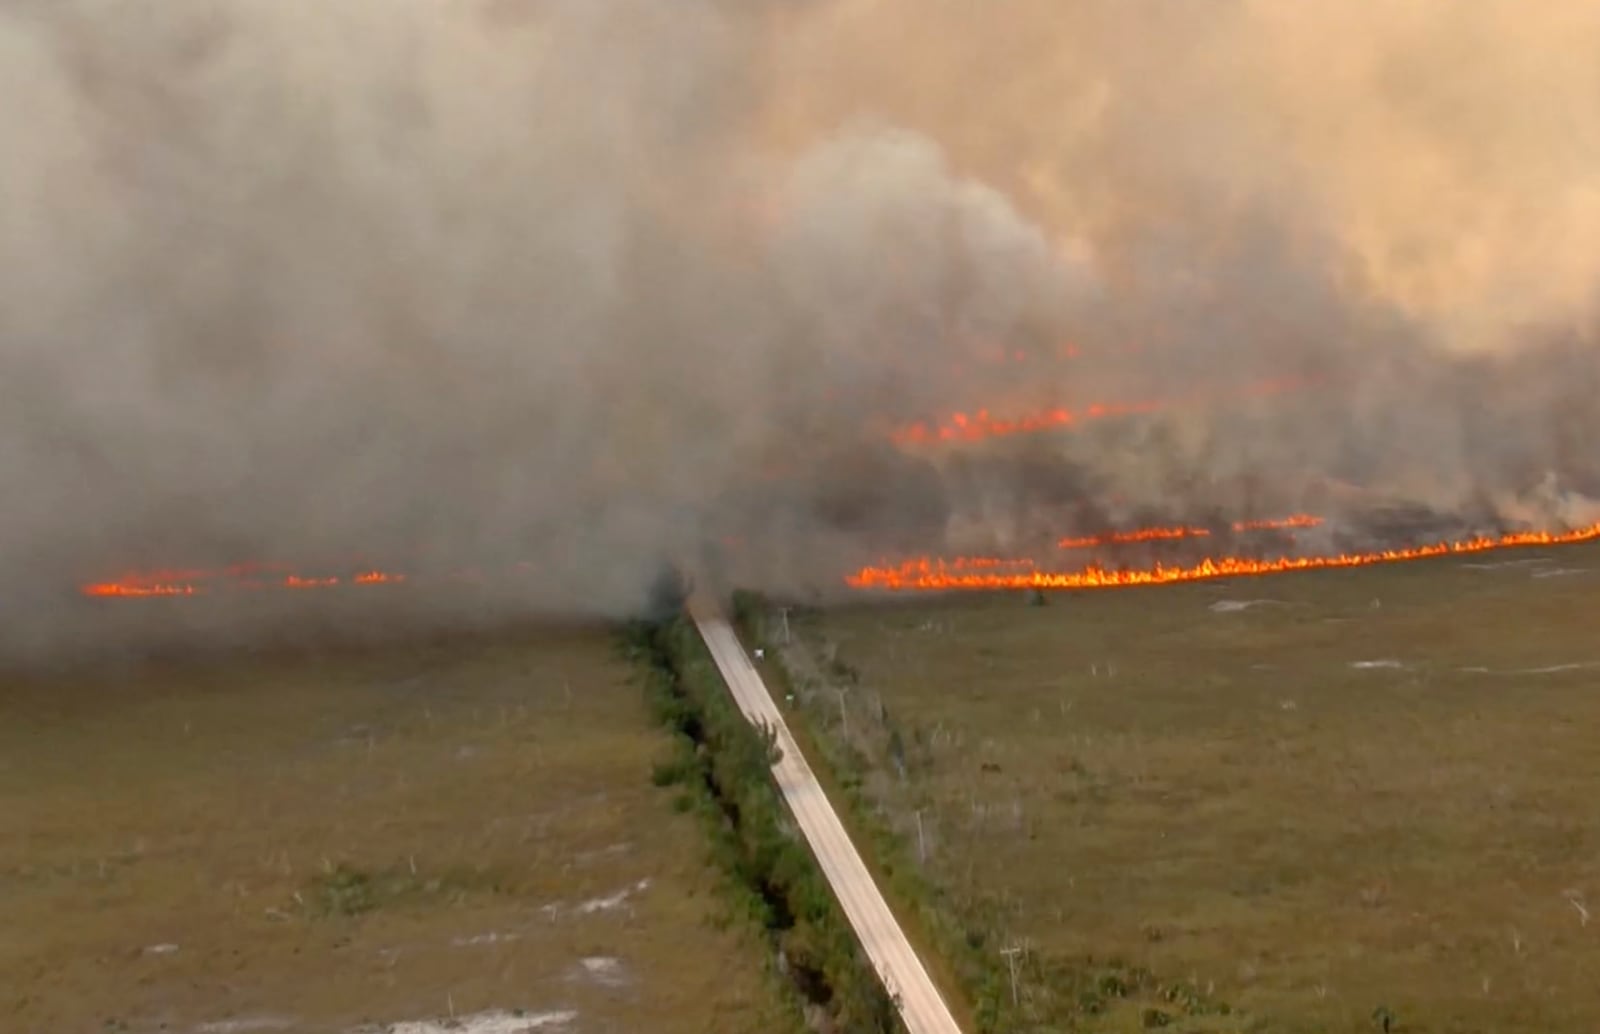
(591, 285)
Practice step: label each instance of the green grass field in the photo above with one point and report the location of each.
(313, 843)
(1330, 801)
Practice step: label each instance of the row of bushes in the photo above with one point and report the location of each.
(963, 944)
(722, 767)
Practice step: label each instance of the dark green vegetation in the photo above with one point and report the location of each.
(337, 838)
(1339, 801)
(722, 766)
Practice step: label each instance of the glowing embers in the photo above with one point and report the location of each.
(1299, 520)
(937, 575)
(378, 578)
(295, 581)
(239, 578)
(184, 582)
(1123, 538)
(982, 424)
(963, 427)
(139, 586)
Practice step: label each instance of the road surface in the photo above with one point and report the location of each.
(921, 1007)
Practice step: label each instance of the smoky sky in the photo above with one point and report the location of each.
(587, 285)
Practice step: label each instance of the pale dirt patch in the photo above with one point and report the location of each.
(246, 1025)
(492, 1022)
(601, 969)
(1235, 606)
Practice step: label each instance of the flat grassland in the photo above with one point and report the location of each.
(1335, 801)
(319, 842)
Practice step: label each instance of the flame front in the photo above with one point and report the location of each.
(933, 574)
(923, 573)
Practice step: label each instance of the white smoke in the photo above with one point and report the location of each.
(585, 284)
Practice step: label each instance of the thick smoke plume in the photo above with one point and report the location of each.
(588, 285)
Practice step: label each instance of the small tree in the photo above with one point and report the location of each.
(897, 751)
(767, 738)
(669, 594)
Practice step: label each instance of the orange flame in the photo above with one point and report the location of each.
(939, 575)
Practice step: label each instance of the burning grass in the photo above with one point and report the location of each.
(1367, 800)
(317, 842)
(988, 573)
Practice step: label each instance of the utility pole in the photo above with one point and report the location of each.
(785, 612)
(1011, 965)
(922, 846)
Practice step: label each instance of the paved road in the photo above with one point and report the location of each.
(923, 1010)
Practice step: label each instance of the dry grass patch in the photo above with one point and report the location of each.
(330, 840)
(1365, 798)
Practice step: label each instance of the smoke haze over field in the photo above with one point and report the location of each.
(585, 283)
